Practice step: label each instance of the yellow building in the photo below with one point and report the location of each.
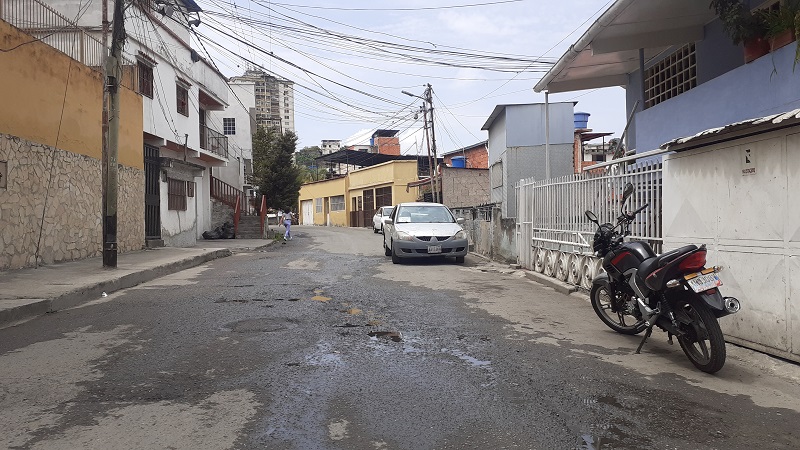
(51, 155)
(351, 200)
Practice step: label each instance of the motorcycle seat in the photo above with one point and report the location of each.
(655, 278)
(650, 265)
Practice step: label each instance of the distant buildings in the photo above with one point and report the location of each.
(273, 99)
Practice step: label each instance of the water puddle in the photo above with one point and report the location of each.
(393, 335)
(475, 362)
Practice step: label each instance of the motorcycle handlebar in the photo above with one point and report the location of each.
(639, 210)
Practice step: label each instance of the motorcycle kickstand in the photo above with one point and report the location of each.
(648, 333)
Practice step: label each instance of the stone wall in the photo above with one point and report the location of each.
(50, 210)
(220, 213)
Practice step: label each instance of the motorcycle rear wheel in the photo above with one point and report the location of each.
(704, 343)
(602, 303)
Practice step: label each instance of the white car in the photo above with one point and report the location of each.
(379, 218)
(418, 230)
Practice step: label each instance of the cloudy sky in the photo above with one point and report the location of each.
(351, 59)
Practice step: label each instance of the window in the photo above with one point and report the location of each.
(183, 100)
(318, 202)
(176, 194)
(337, 203)
(145, 79)
(286, 111)
(229, 125)
(383, 196)
(286, 117)
(672, 76)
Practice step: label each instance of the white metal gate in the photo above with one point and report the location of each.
(553, 235)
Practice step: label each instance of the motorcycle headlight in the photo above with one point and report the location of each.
(403, 236)
(460, 235)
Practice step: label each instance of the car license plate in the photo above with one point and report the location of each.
(434, 249)
(701, 283)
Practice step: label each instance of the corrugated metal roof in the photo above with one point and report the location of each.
(775, 119)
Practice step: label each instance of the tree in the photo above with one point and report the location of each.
(274, 172)
(305, 156)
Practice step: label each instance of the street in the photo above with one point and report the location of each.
(322, 343)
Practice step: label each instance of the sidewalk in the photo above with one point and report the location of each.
(27, 293)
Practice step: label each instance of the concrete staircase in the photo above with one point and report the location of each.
(249, 228)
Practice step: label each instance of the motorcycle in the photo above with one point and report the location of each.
(673, 291)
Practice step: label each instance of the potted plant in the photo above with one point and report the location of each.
(780, 24)
(743, 27)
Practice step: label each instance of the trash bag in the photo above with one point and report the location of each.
(227, 231)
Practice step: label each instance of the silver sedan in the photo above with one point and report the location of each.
(418, 230)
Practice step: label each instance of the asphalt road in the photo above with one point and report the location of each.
(323, 343)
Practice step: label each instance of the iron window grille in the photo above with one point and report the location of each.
(176, 194)
(145, 79)
(672, 76)
(183, 100)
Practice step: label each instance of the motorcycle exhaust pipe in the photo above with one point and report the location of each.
(732, 305)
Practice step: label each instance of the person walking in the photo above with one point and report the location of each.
(287, 222)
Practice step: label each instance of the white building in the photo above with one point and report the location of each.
(273, 99)
(179, 88)
(330, 145)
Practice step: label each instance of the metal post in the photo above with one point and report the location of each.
(547, 134)
(105, 124)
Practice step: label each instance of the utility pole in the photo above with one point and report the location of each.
(104, 162)
(428, 146)
(112, 69)
(429, 98)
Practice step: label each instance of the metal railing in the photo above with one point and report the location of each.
(50, 27)
(554, 236)
(213, 141)
(224, 192)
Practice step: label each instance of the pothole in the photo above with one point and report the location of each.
(393, 335)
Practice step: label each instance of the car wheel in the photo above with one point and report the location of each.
(395, 258)
(382, 230)
(374, 230)
(459, 259)
(386, 250)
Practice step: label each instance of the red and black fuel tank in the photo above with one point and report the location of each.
(628, 256)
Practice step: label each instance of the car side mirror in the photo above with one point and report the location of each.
(388, 221)
(460, 221)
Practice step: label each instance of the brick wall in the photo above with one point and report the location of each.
(477, 157)
(388, 145)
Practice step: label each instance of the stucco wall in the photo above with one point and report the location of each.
(322, 190)
(66, 187)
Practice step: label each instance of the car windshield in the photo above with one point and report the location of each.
(424, 214)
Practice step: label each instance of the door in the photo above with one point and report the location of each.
(152, 193)
(307, 207)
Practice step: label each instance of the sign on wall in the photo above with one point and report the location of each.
(748, 161)
(3, 174)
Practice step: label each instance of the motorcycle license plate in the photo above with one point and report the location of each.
(434, 249)
(700, 283)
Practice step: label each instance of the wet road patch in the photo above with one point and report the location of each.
(392, 335)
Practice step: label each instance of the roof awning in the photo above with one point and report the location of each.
(361, 159)
(735, 130)
(609, 50)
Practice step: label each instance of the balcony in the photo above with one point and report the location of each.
(213, 141)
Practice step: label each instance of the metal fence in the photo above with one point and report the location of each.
(47, 25)
(553, 235)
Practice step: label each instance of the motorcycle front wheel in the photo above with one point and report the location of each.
(702, 342)
(620, 321)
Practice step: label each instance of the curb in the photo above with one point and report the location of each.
(16, 315)
(559, 286)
